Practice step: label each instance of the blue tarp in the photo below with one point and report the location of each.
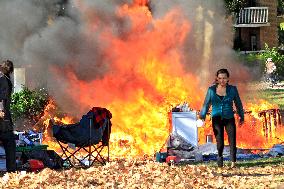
(240, 157)
(276, 150)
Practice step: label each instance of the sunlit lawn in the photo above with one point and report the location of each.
(272, 95)
(275, 96)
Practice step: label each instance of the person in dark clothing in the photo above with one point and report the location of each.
(221, 97)
(6, 125)
(270, 74)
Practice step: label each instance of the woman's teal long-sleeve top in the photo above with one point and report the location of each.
(224, 107)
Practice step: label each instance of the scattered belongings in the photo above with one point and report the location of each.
(180, 151)
(183, 107)
(183, 145)
(29, 138)
(276, 151)
(31, 154)
(33, 165)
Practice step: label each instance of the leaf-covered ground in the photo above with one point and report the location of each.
(150, 174)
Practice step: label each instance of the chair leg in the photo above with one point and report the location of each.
(68, 155)
(108, 130)
(98, 157)
(90, 149)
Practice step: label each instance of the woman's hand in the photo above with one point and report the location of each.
(2, 114)
(241, 122)
(199, 123)
(199, 117)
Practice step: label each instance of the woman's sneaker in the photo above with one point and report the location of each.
(233, 165)
(220, 161)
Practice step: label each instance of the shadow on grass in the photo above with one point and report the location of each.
(238, 171)
(245, 174)
(260, 163)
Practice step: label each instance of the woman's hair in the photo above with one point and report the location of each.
(223, 71)
(7, 67)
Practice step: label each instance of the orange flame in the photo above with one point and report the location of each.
(145, 79)
(256, 132)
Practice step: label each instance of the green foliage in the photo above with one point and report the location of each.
(280, 3)
(280, 7)
(260, 59)
(281, 34)
(28, 103)
(277, 58)
(281, 25)
(234, 6)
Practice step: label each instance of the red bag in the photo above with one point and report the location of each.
(35, 165)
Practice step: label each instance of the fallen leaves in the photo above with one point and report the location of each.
(149, 174)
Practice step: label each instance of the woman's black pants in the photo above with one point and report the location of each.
(9, 144)
(218, 128)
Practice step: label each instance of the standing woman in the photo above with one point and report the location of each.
(6, 126)
(221, 96)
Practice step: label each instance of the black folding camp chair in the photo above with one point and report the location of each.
(88, 151)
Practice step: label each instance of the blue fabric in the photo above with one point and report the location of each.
(224, 107)
(240, 157)
(80, 134)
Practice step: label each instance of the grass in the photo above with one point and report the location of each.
(272, 95)
(261, 162)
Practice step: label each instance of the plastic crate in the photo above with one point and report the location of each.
(31, 148)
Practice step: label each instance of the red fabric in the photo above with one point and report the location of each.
(35, 165)
(99, 115)
(172, 159)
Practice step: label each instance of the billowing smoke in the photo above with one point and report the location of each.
(209, 44)
(49, 37)
(20, 20)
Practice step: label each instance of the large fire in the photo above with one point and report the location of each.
(145, 80)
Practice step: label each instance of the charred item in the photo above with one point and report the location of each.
(270, 117)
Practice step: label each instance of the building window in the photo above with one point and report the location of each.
(252, 3)
(280, 8)
(253, 43)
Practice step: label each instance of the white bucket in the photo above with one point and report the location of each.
(209, 138)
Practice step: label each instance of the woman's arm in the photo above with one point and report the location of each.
(206, 104)
(4, 89)
(239, 105)
(4, 94)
